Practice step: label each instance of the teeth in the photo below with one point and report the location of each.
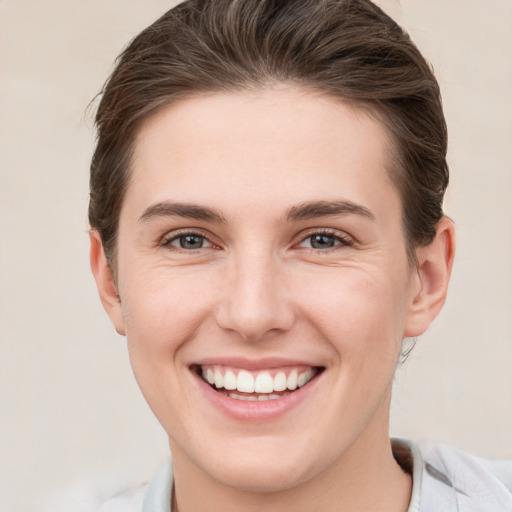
(304, 378)
(245, 382)
(280, 382)
(219, 379)
(291, 381)
(252, 398)
(230, 380)
(309, 375)
(262, 383)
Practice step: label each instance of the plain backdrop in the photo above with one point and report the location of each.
(73, 425)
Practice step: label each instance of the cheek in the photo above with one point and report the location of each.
(162, 308)
(361, 315)
(357, 307)
(162, 312)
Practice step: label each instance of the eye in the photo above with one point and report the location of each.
(188, 241)
(324, 241)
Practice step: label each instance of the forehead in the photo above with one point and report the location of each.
(287, 144)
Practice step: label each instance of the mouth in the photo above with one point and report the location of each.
(256, 385)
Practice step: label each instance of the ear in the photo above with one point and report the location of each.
(105, 282)
(433, 275)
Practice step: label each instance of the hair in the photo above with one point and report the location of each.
(348, 49)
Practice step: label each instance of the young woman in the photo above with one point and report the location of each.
(266, 229)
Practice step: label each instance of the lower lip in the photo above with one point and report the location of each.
(245, 410)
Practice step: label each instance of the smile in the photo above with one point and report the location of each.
(241, 384)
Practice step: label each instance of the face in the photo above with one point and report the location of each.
(264, 283)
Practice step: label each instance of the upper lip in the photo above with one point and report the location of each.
(253, 364)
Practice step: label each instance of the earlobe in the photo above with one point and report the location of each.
(433, 274)
(105, 282)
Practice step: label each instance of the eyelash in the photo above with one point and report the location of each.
(343, 240)
(339, 240)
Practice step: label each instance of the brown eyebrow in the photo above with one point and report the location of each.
(189, 211)
(304, 211)
(313, 209)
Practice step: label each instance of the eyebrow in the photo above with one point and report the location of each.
(303, 211)
(185, 210)
(314, 209)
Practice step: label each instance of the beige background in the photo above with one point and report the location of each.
(73, 426)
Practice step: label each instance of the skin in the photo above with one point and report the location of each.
(258, 288)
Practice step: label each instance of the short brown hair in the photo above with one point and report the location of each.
(348, 49)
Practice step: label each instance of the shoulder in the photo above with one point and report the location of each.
(446, 478)
(152, 497)
(477, 482)
(129, 500)
(464, 465)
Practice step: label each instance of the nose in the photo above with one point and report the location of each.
(255, 301)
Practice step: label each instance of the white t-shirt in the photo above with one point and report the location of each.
(445, 479)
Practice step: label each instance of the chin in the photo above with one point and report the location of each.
(261, 476)
(255, 464)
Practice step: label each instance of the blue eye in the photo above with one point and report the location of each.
(188, 241)
(191, 241)
(320, 241)
(325, 241)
